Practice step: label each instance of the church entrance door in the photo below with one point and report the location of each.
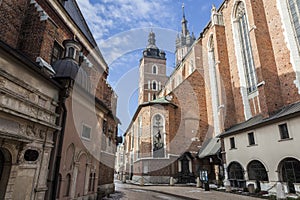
(5, 166)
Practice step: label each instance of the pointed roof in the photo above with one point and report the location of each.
(160, 100)
(209, 148)
(184, 29)
(152, 50)
(73, 10)
(151, 40)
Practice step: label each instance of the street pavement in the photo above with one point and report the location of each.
(134, 192)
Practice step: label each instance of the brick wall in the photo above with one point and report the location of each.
(227, 114)
(281, 53)
(106, 174)
(191, 115)
(12, 13)
(271, 59)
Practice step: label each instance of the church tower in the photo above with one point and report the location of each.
(152, 71)
(184, 40)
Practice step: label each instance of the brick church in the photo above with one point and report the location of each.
(164, 135)
(230, 109)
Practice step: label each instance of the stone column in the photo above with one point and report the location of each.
(87, 177)
(198, 182)
(74, 180)
(41, 186)
(172, 181)
(226, 181)
(124, 178)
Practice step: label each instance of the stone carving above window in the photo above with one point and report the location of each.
(19, 98)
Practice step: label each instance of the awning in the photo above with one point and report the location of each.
(210, 147)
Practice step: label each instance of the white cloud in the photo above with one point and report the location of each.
(108, 17)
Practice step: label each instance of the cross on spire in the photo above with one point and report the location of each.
(183, 14)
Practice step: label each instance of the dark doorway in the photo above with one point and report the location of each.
(290, 172)
(185, 176)
(131, 172)
(257, 172)
(236, 175)
(5, 166)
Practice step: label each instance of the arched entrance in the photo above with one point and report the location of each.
(185, 174)
(236, 175)
(257, 171)
(81, 176)
(289, 171)
(5, 166)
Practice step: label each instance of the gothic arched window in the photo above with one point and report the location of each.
(154, 96)
(139, 135)
(191, 66)
(154, 85)
(289, 171)
(236, 175)
(294, 10)
(158, 136)
(245, 47)
(68, 185)
(214, 83)
(71, 52)
(154, 69)
(257, 171)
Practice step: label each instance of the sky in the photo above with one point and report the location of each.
(121, 28)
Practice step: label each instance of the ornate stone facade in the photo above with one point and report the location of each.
(28, 121)
(56, 108)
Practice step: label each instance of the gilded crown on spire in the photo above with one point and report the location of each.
(151, 40)
(152, 50)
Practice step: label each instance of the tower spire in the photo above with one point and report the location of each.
(184, 40)
(183, 14)
(151, 40)
(184, 23)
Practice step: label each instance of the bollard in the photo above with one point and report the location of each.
(227, 186)
(198, 182)
(142, 181)
(206, 186)
(124, 178)
(280, 191)
(171, 181)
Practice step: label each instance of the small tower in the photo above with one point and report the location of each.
(152, 71)
(184, 40)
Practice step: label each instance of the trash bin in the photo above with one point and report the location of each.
(251, 188)
(206, 186)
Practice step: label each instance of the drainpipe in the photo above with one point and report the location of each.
(59, 152)
(58, 142)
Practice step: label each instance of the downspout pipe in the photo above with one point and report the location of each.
(59, 152)
(55, 158)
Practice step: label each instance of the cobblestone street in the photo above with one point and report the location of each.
(132, 192)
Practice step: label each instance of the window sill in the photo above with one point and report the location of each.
(252, 145)
(286, 139)
(86, 139)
